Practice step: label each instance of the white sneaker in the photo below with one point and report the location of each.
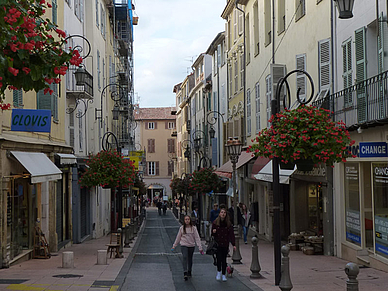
(218, 277)
(224, 278)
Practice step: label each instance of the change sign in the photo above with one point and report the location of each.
(31, 120)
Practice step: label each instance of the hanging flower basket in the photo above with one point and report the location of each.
(287, 166)
(303, 133)
(305, 165)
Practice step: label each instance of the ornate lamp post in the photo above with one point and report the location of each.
(233, 148)
(212, 120)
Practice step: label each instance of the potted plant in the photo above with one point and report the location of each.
(108, 169)
(32, 53)
(305, 135)
(205, 180)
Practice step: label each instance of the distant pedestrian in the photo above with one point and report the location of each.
(195, 218)
(188, 237)
(246, 221)
(214, 212)
(222, 230)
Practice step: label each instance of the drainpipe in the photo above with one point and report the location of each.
(243, 137)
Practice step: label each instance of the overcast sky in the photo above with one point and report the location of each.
(168, 38)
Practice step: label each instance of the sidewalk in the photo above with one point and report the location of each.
(42, 274)
(307, 272)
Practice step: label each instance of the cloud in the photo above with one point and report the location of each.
(169, 37)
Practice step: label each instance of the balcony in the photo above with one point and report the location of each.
(362, 105)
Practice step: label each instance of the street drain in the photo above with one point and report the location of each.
(67, 276)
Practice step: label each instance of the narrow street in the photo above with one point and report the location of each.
(152, 265)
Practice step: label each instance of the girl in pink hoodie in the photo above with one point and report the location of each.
(188, 237)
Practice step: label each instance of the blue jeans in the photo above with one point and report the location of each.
(187, 258)
(245, 231)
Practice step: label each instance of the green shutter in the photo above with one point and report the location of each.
(361, 74)
(55, 11)
(54, 102)
(347, 70)
(17, 98)
(43, 100)
(380, 47)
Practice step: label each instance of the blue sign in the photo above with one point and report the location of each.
(31, 120)
(353, 237)
(373, 149)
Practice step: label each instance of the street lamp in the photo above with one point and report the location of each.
(212, 120)
(108, 141)
(233, 148)
(275, 108)
(345, 8)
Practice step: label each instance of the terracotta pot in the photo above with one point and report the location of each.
(305, 165)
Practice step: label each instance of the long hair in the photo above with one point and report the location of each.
(227, 219)
(184, 223)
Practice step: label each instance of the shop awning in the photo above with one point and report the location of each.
(265, 174)
(41, 168)
(258, 165)
(226, 169)
(67, 159)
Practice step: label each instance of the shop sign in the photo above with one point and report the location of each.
(353, 227)
(369, 150)
(31, 120)
(381, 226)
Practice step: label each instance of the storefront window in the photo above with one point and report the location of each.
(380, 188)
(315, 208)
(352, 203)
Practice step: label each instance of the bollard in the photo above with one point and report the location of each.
(67, 260)
(255, 265)
(285, 281)
(352, 270)
(120, 231)
(207, 231)
(126, 242)
(131, 231)
(102, 257)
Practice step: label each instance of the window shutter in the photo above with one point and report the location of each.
(324, 64)
(155, 125)
(347, 70)
(240, 23)
(71, 129)
(227, 35)
(257, 106)
(54, 11)
(169, 146)
(380, 44)
(17, 98)
(268, 93)
(300, 77)
(173, 145)
(149, 147)
(249, 113)
(157, 168)
(153, 145)
(225, 139)
(54, 96)
(235, 24)
(278, 72)
(166, 125)
(229, 129)
(360, 73)
(146, 169)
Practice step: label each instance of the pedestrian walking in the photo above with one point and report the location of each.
(222, 230)
(187, 237)
(195, 218)
(214, 212)
(246, 221)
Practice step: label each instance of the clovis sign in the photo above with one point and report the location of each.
(31, 120)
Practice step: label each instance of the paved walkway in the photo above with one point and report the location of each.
(150, 265)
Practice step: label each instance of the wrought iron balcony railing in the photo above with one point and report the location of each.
(361, 105)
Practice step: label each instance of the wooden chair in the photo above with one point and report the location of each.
(114, 244)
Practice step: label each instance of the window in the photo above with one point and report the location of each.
(97, 13)
(170, 125)
(18, 98)
(347, 69)
(71, 129)
(249, 124)
(171, 145)
(257, 106)
(103, 73)
(300, 77)
(352, 204)
(98, 70)
(80, 131)
(256, 28)
(228, 36)
(153, 168)
(240, 22)
(79, 9)
(242, 67)
(47, 101)
(267, 22)
(300, 8)
(248, 39)
(102, 21)
(54, 11)
(170, 168)
(230, 80)
(235, 75)
(235, 24)
(281, 16)
(151, 145)
(268, 93)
